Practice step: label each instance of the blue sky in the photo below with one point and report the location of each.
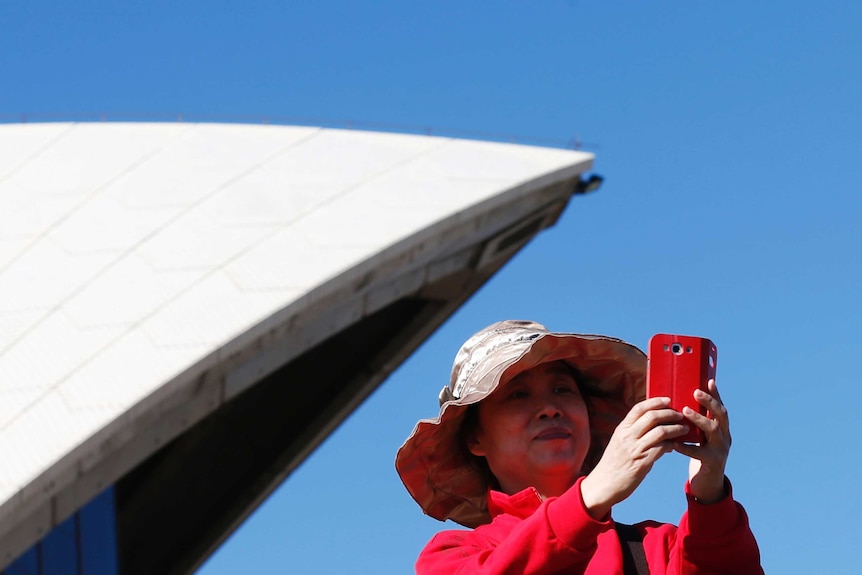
(728, 134)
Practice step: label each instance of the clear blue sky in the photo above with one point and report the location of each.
(728, 133)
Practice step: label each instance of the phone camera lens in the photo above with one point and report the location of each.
(676, 349)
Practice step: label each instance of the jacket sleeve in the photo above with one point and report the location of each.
(560, 535)
(714, 539)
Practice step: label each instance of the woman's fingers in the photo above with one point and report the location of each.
(663, 433)
(645, 406)
(649, 414)
(718, 420)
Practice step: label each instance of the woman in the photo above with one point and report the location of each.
(539, 435)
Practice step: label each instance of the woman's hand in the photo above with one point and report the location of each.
(708, 460)
(646, 433)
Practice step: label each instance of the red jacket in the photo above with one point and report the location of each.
(531, 536)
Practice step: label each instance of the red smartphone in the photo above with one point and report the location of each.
(676, 366)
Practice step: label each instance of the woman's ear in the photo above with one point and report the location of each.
(474, 446)
(470, 431)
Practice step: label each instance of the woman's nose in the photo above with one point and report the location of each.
(549, 410)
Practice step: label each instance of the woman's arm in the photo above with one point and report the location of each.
(715, 539)
(714, 535)
(559, 536)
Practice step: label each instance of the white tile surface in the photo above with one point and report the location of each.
(52, 423)
(347, 157)
(197, 240)
(77, 162)
(20, 143)
(53, 350)
(288, 260)
(101, 224)
(212, 312)
(126, 293)
(465, 159)
(356, 221)
(15, 403)
(109, 385)
(11, 249)
(30, 214)
(45, 275)
(14, 323)
(200, 162)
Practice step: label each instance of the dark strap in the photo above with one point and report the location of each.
(632, 543)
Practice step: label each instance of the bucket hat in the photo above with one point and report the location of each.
(433, 463)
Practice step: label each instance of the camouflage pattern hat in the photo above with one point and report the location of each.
(433, 463)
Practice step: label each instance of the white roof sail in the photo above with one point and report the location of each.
(137, 259)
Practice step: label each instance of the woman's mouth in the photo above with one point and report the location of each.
(553, 433)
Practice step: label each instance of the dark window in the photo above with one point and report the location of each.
(98, 531)
(26, 564)
(59, 550)
(84, 544)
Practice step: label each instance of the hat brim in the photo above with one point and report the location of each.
(444, 479)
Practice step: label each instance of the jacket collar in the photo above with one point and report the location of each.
(521, 504)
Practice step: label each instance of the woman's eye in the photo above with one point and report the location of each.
(563, 389)
(519, 394)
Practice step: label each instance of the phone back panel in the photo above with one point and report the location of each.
(677, 365)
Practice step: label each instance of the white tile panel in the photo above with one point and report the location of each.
(77, 163)
(243, 201)
(211, 312)
(53, 349)
(202, 161)
(464, 159)
(43, 275)
(261, 199)
(108, 385)
(20, 143)
(16, 402)
(126, 293)
(11, 249)
(199, 241)
(407, 189)
(268, 266)
(29, 214)
(347, 158)
(360, 221)
(49, 420)
(15, 323)
(101, 224)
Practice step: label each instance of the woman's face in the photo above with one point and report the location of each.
(534, 430)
